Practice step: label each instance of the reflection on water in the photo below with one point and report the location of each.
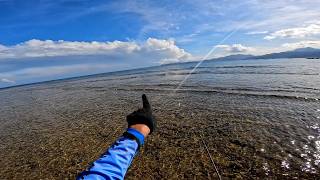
(311, 158)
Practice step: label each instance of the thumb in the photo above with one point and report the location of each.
(146, 104)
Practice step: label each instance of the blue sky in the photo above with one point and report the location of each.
(44, 40)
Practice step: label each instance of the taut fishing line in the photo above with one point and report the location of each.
(187, 77)
(205, 58)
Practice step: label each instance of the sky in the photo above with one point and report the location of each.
(44, 40)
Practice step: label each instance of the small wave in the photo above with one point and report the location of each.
(111, 79)
(251, 67)
(239, 91)
(229, 67)
(306, 88)
(185, 71)
(251, 73)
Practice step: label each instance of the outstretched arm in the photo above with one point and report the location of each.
(114, 163)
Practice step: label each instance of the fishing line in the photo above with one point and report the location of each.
(205, 58)
(189, 74)
(212, 161)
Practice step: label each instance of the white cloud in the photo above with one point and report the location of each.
(168, 61)
(298, 32)
(152, 48)
(274, 15)
(167, 48)
(235, 48)
(2, 47)
(208, 17)
(38, 48)
(5, 80)
(257, 32)
(302, 44)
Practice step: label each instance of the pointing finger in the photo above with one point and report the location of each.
(146, 104)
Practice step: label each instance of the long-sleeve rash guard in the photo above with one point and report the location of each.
(114, 163)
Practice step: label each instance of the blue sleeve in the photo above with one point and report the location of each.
(114, 163)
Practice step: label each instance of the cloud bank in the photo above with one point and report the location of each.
(39, 60)
(5, 80)
(158, 48)
(235, 48)
(302, 44)
(298, 32)
(257, 32)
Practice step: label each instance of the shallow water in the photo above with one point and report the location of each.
(259, 118)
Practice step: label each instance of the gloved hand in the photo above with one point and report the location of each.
(143, 116)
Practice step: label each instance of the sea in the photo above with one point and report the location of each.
(258, 118)
(291, 78)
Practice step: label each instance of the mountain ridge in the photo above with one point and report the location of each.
(306, 52)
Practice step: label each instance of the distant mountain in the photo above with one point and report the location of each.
(236, 57)
(298, 53)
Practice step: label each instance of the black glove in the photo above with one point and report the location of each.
(143, 115)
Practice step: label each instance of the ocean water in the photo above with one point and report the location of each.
(259, 119)
(282, 94)
(296, 78)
